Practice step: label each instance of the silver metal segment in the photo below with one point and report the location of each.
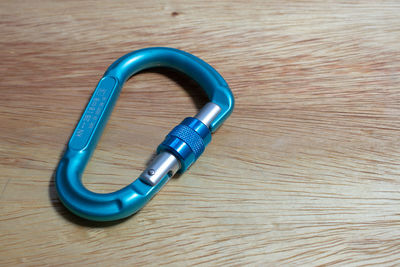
(208, 113)
(163, 164)
(167, 164)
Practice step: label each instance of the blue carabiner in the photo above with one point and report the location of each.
(181, 147)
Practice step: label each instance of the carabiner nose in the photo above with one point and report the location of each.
(180, 149)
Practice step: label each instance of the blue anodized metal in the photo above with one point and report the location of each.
(187, 141)
(128, 200)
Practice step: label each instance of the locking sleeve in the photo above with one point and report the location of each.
(187, 141)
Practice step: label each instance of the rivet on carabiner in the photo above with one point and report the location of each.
(180, 149)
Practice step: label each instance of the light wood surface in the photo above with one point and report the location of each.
(305, 172)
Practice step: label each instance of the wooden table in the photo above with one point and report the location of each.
(305, 172)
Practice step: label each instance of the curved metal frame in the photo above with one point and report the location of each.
(128, 200)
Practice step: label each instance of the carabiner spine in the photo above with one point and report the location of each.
(96, 114)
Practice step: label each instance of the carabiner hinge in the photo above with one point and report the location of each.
(182, 146)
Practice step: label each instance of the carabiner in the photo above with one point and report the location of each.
(181, 147)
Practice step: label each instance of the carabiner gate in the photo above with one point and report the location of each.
(180, 149)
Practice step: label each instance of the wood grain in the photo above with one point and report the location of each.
(305, 172)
